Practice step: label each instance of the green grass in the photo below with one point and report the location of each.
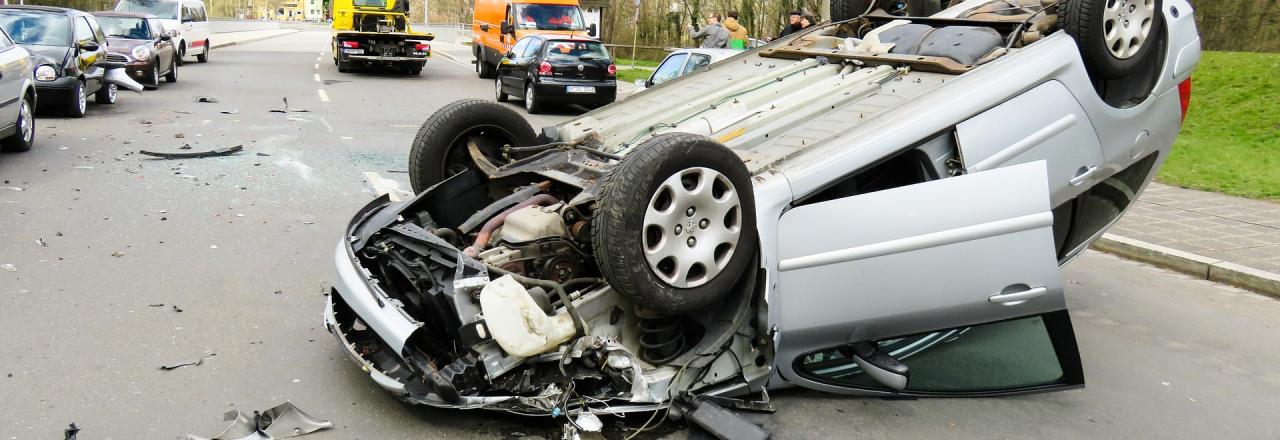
(1230, 142)
(626, 62)
(631, 75)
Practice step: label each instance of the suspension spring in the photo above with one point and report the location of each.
(661, 339)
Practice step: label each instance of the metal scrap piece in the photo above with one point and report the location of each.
(282, 421)
(199, 154)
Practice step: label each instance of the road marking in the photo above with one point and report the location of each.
(317, 66)
(455, 60)
(324, 97)
(316, 76)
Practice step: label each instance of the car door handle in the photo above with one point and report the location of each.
(1015, 298)
(1082, 174)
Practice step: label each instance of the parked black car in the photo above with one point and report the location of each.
(557, 69)
(64, 44)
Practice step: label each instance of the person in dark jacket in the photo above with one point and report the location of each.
(793, 24)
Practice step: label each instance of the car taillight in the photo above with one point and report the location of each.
(422, 47)
(351, 44)
(613, 70)
(544, 68)
(1184, 95)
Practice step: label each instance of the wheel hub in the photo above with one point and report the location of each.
(691, 227)
(1126, 25)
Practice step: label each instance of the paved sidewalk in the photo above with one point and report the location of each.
(1233, 229)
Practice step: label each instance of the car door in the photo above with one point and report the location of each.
(88, 51)
(529, 61)
(954, 280)
(669, 69)
(13, 72)
(163, 47)
(696, 61)
(508, 68)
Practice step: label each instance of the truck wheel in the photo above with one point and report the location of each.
(484, 69)
(675, 229)
(440, 149)
(1116, 37)
(344, 66)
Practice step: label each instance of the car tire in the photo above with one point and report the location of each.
(24, 135)
(531, 103)
(440, 148)
(106, 94)
(79, 101)
(172, 76)
(1106, 32)
(842, 10)
(154, 82)
(182, 52)
(644, 210)
(498, 94)
(344, 66)
(203, 57)
(485, 70)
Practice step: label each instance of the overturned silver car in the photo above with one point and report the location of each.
(875, 206)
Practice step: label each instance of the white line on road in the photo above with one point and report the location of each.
(317, 66)
(324, 97)
(316, 76)
(455, 60)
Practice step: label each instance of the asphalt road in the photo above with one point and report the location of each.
(242, 245)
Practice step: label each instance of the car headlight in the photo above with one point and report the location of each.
(46, 73)
(141, 53)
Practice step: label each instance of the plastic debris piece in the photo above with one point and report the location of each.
(282, 421)
(187, 363)
(176, 309)
(70, 432)
(588, 422)
(40, 242)
(206, 99)
(211, 153)
(9, 267)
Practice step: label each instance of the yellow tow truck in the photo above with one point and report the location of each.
(369, 33)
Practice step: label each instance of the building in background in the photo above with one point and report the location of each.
(314, 10)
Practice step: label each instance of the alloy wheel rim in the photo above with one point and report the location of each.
(84, 100)
(155, 74)
(528, 98)
(1126, 26)
(111, 93)
(497, 88)
(28, 128)
(691, 227)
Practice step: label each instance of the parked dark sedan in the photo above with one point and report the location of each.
(65, 45)
(548, 69)
(140, 41)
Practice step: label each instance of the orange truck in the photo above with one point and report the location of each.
(498, 24)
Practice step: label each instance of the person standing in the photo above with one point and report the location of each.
(713, 35)
(737, 32)
(793, 24)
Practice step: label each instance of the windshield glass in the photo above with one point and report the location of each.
(575, 50)
(125, 27)
(158, 8)
(549, 17)
(30, 27)
(370, 3)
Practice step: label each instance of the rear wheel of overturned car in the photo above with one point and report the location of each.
(842, 10)
(441, 148)
(676, 225)
(1116, 37)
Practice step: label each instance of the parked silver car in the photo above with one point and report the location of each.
(877, 206)
(17, 97)
(682, 62)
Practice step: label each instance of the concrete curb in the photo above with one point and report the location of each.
(1211, 269)
(233, 43)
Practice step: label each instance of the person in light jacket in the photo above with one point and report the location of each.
(713, 35)
(737, 32)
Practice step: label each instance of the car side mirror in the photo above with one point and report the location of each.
(591, 30)
(484, 27)
(165, 37)
(507, 28)
(89, 46)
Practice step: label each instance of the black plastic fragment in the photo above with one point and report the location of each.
(722, 423)
(196, 155)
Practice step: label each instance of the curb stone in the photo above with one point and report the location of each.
(1200, 266)
(233, 43)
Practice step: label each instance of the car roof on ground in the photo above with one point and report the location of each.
(122, 14)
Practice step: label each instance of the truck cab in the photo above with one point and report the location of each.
(499, 24)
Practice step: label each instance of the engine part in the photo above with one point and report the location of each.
(516, 321)
(661, 339)
(532, 223)
(486, 232)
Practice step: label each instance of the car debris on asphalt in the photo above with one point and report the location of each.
(186, 363)
(70, 432)
(282, 421)
(207, 99)
(197, 155)
(286, 108)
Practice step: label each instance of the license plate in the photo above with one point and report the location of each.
(580, 89)
(353, 51)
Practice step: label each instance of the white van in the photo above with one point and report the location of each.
(185, 17)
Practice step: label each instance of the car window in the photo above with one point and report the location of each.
(695, 61)
(160, 8)
(156, 27)
(37, 28)
(548, 17)
(574, 50)
(669, 69)
(5, 42)
(125, 27)
(198, 13)
(84, 33)
(518, 49)
(98, 35)
(186, 14)
(532, 49)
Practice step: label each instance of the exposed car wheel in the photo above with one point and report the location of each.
(484, 69)
(79, 101)
(498, 94)
(172, 76)
(842, 10)
(440, 148)
(106, 95)
(531, 103)
(1115, 37)
(24, 135)
(182, 52)
(676, 225)
(204, 56)
(154, 82)
(344, 66)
